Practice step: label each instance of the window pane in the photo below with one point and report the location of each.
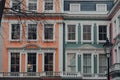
(71, 62)
(48, 4)
(87, 63)
(48, 62)
(31, 65)
(48, 31)
(102, 32)
(102, 63)
(16, 4)
(101, 7)
(71, 32)
(15, 59)
(75, 7)
(32, 31)
(86, 32)
(15, 31)
(32, 5)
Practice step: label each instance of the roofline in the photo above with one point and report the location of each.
(114, 10)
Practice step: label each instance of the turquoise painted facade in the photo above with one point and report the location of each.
(89, 55)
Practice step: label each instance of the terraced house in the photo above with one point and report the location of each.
(59, 39)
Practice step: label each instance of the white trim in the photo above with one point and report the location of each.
(102, 24)
(37, 56)
(27, 61)
(60, 47)
(43, 59)
(61, 6)
(84, 13)
(98, 58)
(92, 63)
(75, 60)
(81, 62)
(97, 62)
(20, 61)
(9, 60)
(77, 54)
(76, 33)
(11, 1)
(27, 4)
(75, 4)
(101, 10)
(54, 53)
(54, 29)
(10, 35)
(48, 11)
(92, 33)
(27, 32)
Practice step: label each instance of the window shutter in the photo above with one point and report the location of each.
(79, 63)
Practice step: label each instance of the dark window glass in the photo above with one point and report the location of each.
(71, 32)
(102, 32)
(32, 31)
(86, 32)
(48, 62)
(48, 31)
(15, 62)
(87, 63)
(31, 65)
(48, 4)
(15, 31)
(32, 5)
(16, 5)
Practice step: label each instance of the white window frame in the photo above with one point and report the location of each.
(10, 35)
(92, 34)
(11, 1)
(107, 25)
(71, 52)
(37, 2)
(54, 33)
(48, 10)
(98, 8)
(98, 62)
(91, 61)
(76, 35)
(9, 60)
(74, 4)
(26, 60)
(53, 59)
(27, 32)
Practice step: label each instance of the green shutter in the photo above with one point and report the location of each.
(95, 33)
(79, 63)
(95, 63)
(79, 32)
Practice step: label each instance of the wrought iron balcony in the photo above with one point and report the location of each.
(38, 74)
(62, 75)
(115, 68)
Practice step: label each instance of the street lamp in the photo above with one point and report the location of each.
(108, 48)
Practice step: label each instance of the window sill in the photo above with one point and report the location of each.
(48, 11)
(71, 41)
(32, 40)
(48, 40)
(101, 41)
(15, 40)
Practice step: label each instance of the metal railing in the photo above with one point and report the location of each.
(115, 67)
(51, 74)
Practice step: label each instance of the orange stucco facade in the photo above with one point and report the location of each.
(23, 43)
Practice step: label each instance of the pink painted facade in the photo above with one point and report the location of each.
(32, 39)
